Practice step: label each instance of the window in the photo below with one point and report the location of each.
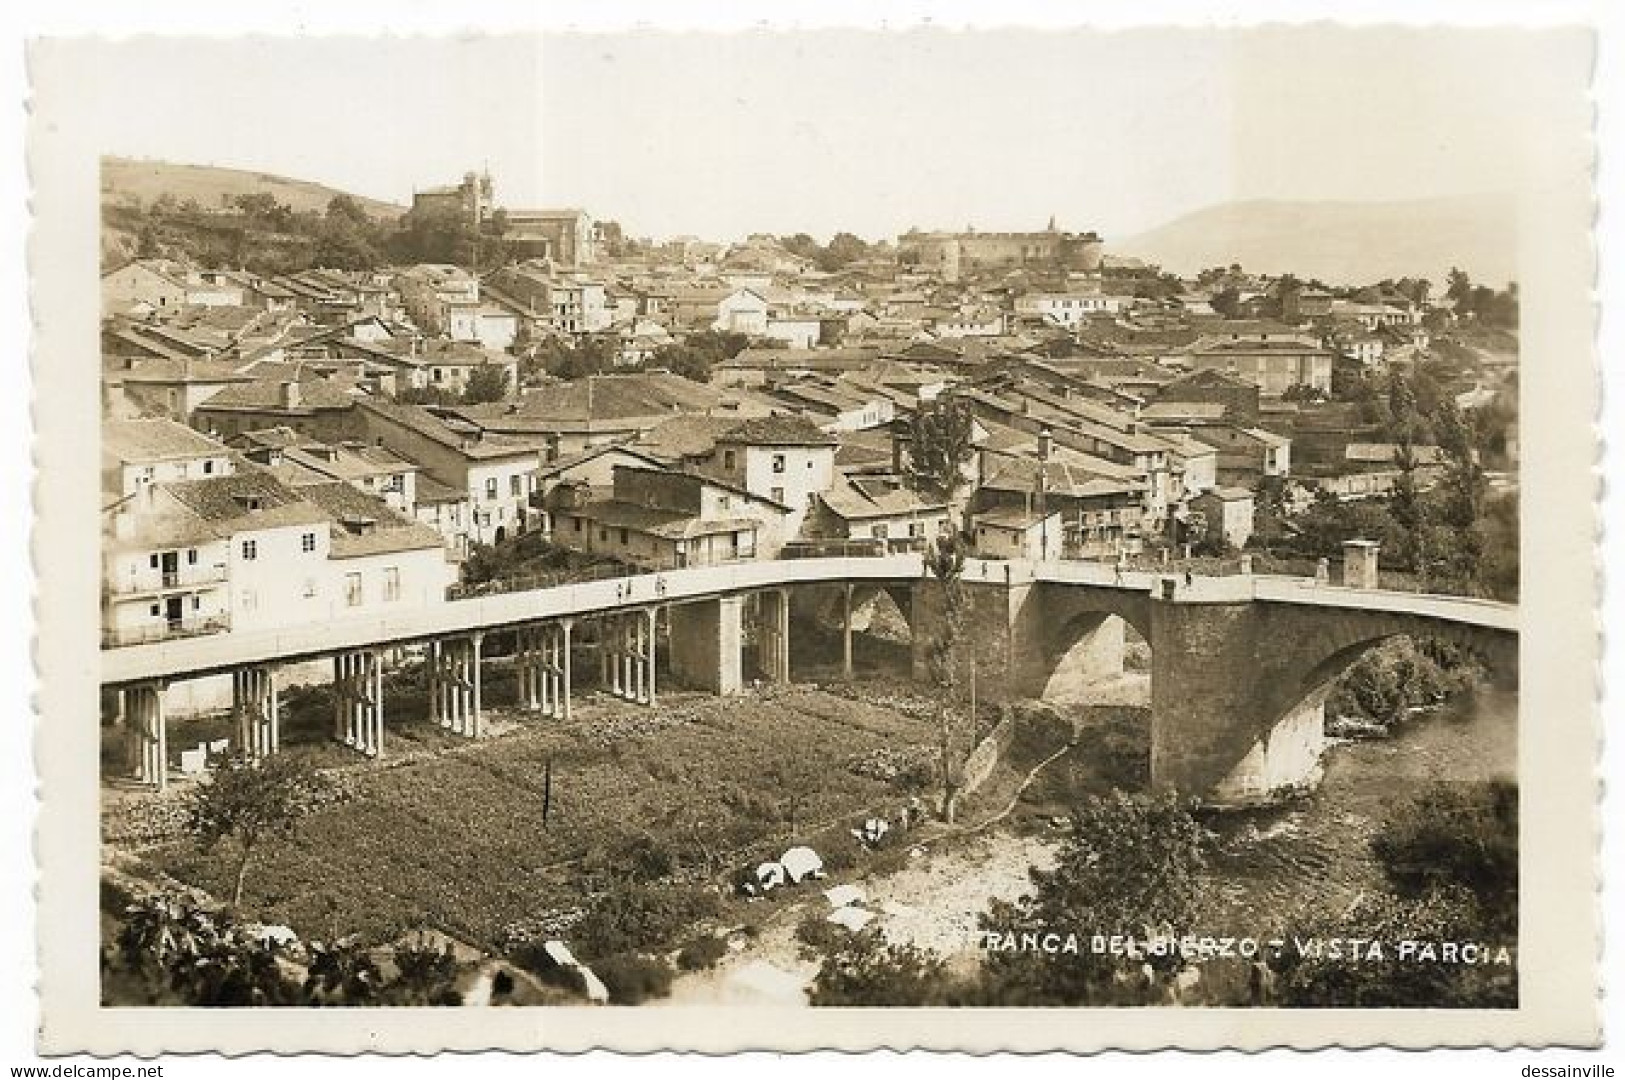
(516, 485)
(310, 587)
(603, 534)
(251, 550)
(778, 463)
(880, 530)
(490, 487)
(197, 603)
(307, 542)
(352, 590)
(392, 583)
(626, 537)
(577, 523)
(776, 494)
(208, 468)
(153, 610)
(152, 560)
(191, 556)
(724, 502)
(728, 460)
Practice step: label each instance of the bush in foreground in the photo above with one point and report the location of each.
(633, 978)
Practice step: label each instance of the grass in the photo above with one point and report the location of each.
(455, 840)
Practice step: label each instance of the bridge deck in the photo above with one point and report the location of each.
(199, 656)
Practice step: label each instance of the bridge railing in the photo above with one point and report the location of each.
(628, 591)
(119, 637)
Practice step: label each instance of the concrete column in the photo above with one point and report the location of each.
(340, 698)
(629, 656)
(846, 632)
(705, 639)
(254, 708)
(650, 636)
(149, 733)
(781, 671)
(358, 700)
(477, 726)
(565, 626)
(376, 742)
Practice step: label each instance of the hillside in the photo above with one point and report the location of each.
(124, 179)
(1341, 242)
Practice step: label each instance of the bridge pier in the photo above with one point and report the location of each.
(705, 639)
(542, 665)
(358, 701)
(627, 650)
(455, 701)
(255, 705)
(1285, 758)
(148, 734)
(773, 634)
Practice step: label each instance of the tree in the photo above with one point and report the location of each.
(1131, 866)
(956, 726)
(844, 248)
(247, 802)
(489, 382)
(865, 969)
(940, 446)
(694, 356)
(1227, 302)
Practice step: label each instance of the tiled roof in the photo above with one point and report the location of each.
(266, 395)
(137, 441)
(861, 499)
(421, 421)
(686, 436)
(671, 524)
(430, 491)
(385, 532)
(251, 498)
(778, 431)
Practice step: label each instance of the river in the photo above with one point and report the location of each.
(1317, 848)
(1264, 863)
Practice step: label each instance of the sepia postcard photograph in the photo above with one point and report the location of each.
(1009, 538)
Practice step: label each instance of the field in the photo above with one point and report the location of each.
(451, 835)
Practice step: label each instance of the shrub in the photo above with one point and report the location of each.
(818, 936)
(863, 969)
(1456, 836)
(702, 953)
(632, 978)
(630, 917)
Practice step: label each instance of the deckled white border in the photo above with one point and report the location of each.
(1014, 1028)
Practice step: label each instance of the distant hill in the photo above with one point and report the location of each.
(126, 178)
(1342, 242)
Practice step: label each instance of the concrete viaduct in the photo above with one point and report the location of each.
(1240, 666)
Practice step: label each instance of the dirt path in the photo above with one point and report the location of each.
(932, 903)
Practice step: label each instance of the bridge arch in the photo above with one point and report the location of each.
(1238, 690)
(1066, 636)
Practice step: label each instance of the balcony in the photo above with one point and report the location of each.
(121, 636)
(153, 582)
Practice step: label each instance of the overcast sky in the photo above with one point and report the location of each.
(724, 134)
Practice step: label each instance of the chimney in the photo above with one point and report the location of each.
(1045, 437)
(290, 394)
